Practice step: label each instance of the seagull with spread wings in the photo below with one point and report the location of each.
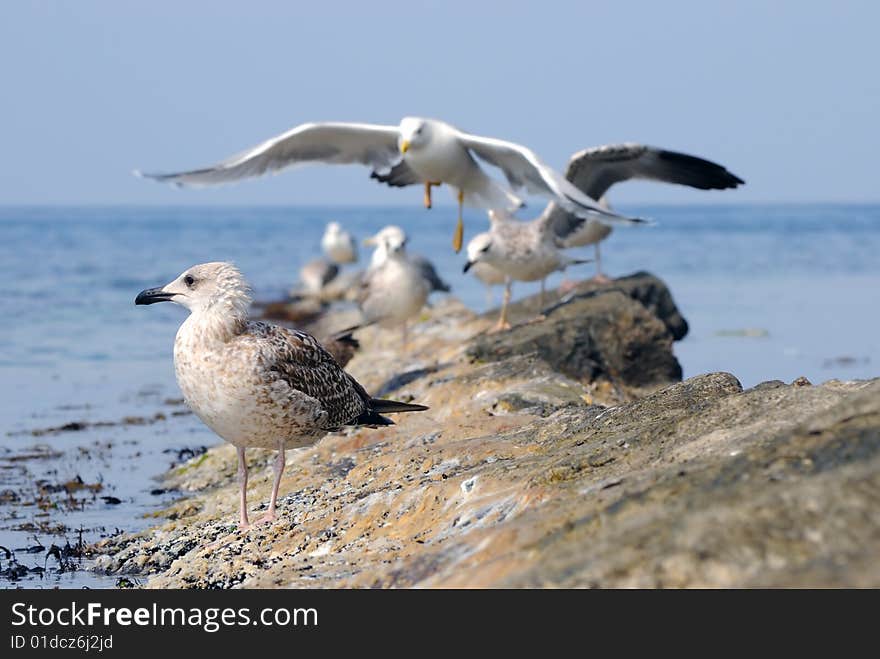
(417, 151)
(595, 170)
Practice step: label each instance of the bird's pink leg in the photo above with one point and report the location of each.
(502, 323)
(278, 468)
(243, 522)
(599, 278)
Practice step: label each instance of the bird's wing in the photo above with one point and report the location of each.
(524, 169)
(429, 273)
(398, 176)
(364, 291)
(329, 143)
(297, 361)
(595, 170)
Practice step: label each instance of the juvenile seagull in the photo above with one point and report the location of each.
(595, 170)
(338, 245)
(522, 251)
(417, 151)
(391, 237)
(396, 290)
(489, 275)
(257, 384)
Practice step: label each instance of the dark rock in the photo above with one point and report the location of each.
(643, 287)
(602, 335)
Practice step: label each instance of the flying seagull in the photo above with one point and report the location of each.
(256, 384)
(418, 151)
(595, 170)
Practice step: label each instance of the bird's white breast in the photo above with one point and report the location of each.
(397, 292)
(442, 159)
(224, 389)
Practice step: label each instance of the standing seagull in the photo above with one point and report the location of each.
(489, 275)
(315, 275)
(338, 245)
(257, 384)
(595, 170)
(391, 238)
(396, 290)
(522, 251)
(417, 151)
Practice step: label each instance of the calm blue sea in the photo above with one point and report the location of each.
(770, 292)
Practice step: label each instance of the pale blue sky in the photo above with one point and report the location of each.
(786, 94)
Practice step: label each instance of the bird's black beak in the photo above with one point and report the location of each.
(467, 266)
(153, 295)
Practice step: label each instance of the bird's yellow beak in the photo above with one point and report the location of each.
(404, 146)
(369, 242)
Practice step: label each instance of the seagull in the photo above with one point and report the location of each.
(341, 346)
(489, 275)
(417, 151)
(388, 239)
(338, 245)
(396, 290)
(315, 275)
(256, 384)
(522, 251)
(595, 170)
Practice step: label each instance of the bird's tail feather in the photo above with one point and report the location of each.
(346, 338)
(373, 416)
(385, 406)
(346, 334)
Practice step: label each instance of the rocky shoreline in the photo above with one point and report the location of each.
(562, 453)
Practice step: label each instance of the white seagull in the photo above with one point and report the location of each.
(395, 291)
(489, 275)
(522, 251)
(595, 170)
(338, 245)
(315, 275)
(257, 384)
(389, 239)
(417, 151)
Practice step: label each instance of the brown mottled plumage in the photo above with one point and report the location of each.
(256, 384)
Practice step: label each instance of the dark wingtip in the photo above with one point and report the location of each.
(701, 173)
(348, 340)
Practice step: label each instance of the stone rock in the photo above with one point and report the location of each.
(521, 475)
(604, 334)
(642, 287)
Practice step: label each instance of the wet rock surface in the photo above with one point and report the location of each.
(537, 468)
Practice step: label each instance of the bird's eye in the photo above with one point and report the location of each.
(485, 249)
(189, 280)
(419, 130)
